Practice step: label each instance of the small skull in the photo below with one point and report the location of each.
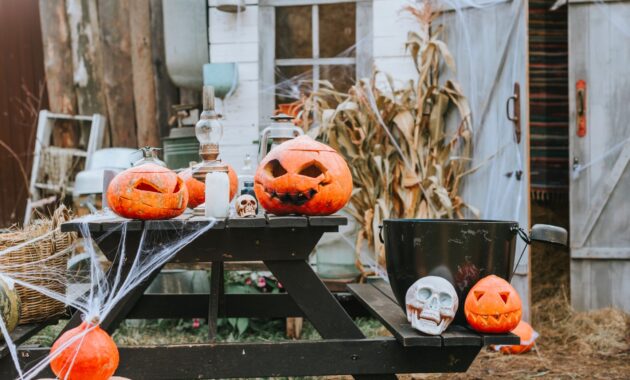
(246, 205)
(431, 304)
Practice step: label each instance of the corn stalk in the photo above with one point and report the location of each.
(405, 160)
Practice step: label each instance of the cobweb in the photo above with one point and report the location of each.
(96, 285)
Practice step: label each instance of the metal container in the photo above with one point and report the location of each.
(180, 148)
(461, 251)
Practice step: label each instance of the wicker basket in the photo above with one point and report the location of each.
(37, 307)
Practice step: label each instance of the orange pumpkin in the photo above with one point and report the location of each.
(91, 355)
(148, 191)
(528, 337)
(197, 189)
(493, 306)
(303, 176)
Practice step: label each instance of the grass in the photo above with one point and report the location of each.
(171, 331)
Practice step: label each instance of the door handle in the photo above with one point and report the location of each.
(580, 107)
(515, 115)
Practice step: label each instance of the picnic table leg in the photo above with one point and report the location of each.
(216, 294)
(320, 307)
(122, 308)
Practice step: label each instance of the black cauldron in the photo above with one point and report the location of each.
(461, 251)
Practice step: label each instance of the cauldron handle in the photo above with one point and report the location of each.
(547, 233)
(380, 233)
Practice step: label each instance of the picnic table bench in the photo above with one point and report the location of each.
(284, 245)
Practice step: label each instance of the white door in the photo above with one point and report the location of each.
(489, 42)
(599, 82)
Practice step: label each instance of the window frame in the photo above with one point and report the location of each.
(363, 59)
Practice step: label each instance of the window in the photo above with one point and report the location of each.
(303, 41)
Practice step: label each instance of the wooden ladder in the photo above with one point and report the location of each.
(45, 125)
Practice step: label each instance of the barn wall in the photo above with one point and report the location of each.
(234, 38)
(21, 74)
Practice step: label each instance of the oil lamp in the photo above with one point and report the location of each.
(209, 131)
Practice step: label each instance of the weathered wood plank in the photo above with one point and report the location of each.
(57, 57)
(143, 73)
(390, 314)
(238, 222)
(175, 306)
(317, 303)
(331, 220)
(166, 93)
(117, 73)
(460, 336)
(299, 358)
(87, 60)
(286, 221)
(22, 333)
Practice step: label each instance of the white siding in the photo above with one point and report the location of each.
(234, 38)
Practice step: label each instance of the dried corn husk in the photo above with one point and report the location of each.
(405, 161)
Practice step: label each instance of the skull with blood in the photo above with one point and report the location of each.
(431, 304)
(303, 176)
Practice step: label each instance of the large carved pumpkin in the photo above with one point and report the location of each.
(9, 306)
(148, 191)
(197, 189)
(91, 355)
(493, 306)
(303, 176)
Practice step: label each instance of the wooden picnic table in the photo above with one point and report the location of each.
(284, 245)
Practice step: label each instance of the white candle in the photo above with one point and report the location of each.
(217, 195)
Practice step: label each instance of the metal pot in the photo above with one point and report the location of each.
(461, 251)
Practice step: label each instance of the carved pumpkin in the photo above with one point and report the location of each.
(303, 176)
(197, 189)
(148, 191)
(528, 337)
(493, 306)
(9, 306)
(91, 355)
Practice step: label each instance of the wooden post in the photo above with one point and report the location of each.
(86, 57)
(58, 68)
(166, 93)
(118, 79)
(143, 73)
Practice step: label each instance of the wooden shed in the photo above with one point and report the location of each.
(599, 84)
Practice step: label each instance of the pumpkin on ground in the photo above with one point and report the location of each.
(197, 189)
(528, 337)
(303, 176)
(9, 305)
(147, 191)
(493, 306)
(91, 354)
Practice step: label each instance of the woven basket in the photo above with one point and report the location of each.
(33, 246)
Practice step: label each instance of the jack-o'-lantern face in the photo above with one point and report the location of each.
(303, 176)
(197, 189)
(148, 191)
(493, 306)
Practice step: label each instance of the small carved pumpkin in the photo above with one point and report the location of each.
(148, 191)
(493, 306)
(303, 176)
(91, 355)
(197, 189)
(528, 337)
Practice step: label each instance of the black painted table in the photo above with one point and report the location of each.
(284, 245)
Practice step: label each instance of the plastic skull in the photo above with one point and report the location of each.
(431, 304)
(246, 205)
